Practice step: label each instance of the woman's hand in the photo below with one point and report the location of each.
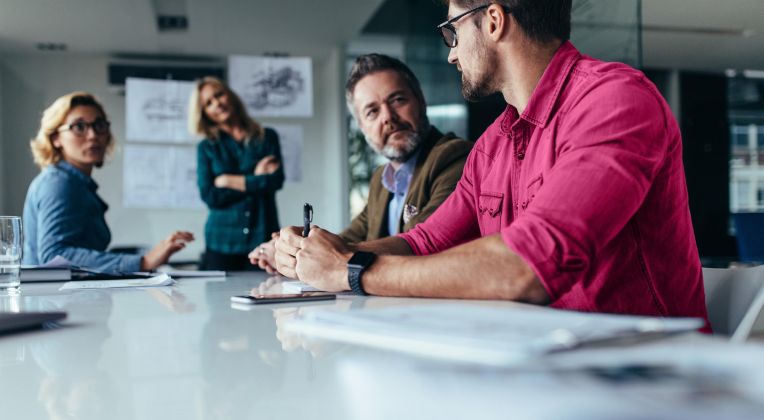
(162, 252)
(264, 256)
(234, 182)
(267, 165)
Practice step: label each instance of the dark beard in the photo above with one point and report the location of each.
(475, 92)
(480, 87)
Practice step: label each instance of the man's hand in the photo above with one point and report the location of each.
(322, 261)
(264, 256)
(287, 244)
(234, 182)
(162, 252)
(267, 165)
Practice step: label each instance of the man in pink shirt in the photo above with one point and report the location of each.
(574, 197)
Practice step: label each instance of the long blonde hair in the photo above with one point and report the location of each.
(198, 122)
(43, 150)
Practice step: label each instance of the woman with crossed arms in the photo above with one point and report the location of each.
(238, 172)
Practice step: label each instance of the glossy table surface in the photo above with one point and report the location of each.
(183, 352)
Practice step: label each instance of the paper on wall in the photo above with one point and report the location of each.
(157, 110)
(273, 86)
(291, 141)
(160, 177)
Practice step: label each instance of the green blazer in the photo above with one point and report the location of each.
(438, 169)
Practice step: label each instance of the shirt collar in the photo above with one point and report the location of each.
(547, 91)
(392, 179)
(75, 173)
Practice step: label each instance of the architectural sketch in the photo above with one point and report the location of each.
(273, 87)
(157, 176)
(156, 110)
(278, 88)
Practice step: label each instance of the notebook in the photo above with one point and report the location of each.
(17, 321)
(30, 274)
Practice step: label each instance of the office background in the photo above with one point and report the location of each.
(703, 55)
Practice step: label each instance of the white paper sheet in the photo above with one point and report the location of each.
(160, 177)
(194, 273)
(475, 334)
(273, 86)
(297, 286)
(160, 280)
(291, 141)
(157, 110)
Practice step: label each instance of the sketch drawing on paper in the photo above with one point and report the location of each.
(273, 86)
(155, 110)
(162, 109)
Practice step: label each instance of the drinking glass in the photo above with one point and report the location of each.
(11, 245)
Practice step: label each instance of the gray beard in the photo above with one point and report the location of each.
(402, 153)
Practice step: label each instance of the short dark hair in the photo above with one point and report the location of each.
(373, 63)
(541, 20)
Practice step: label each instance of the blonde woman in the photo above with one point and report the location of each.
(238, 172)
(63, 214)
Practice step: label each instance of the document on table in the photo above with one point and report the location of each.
(194, 273)
(479, 334)
(160, 280)
(296, 286)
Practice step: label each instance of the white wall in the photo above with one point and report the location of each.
(29, 83)
(3, 190)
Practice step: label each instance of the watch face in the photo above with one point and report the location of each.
(361, 259)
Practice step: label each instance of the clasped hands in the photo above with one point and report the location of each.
(319, 260)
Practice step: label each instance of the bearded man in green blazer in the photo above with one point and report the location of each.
(424, 165)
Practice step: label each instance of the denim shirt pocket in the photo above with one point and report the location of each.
(490, 207)
(530, 192)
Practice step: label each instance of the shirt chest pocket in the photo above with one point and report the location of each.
(490, 209)
(530, 192)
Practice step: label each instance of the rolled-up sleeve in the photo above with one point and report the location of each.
(606, 163)
(453, 223)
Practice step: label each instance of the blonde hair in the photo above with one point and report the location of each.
(43, 150)
(201, 125)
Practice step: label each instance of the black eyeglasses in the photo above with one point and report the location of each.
(448, 31)
(80, 128)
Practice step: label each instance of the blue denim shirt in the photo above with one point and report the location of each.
(397, 182)
(64, 216)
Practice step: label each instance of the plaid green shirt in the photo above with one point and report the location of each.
(239, 221)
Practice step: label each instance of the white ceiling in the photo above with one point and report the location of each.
(219, 27)
(312, 27)
(689, 49)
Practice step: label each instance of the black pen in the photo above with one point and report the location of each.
(307, 217)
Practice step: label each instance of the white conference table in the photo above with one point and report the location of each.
(183, 352)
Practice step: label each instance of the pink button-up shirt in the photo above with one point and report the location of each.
(588, 187)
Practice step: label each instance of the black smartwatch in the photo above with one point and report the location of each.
(359, 262)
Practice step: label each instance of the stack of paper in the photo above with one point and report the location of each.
(478, 334)
(160, 280)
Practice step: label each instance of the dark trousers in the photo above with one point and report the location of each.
(212, 260)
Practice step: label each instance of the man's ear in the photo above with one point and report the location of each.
(498, 22)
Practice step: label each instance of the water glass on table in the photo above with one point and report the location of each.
(11, 245)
